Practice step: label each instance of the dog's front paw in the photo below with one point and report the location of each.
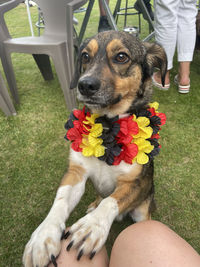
(44, 245)
(88, 235)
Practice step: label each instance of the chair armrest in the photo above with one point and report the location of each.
(77, 3)
(9, 5)
(3, 9)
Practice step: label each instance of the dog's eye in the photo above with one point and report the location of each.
(121, 58)
(85, 58)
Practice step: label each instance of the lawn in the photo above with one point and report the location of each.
(34, 154)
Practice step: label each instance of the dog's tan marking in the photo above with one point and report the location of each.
(92, 47)
(115, 46)
(95, 203)
(132, 175)
(128, 188)
(125, 196)
(74, 175)
(127, 88)
(144, 209)
(130, 83)
(49, 241)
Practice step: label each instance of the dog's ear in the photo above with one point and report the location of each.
(155, 58)
(78, 65)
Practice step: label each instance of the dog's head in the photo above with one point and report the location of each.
(113, 72)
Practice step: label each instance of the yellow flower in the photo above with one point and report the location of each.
(96, 130)
(145, 131)
(154, 105)
(92, 147)
(91, 120)
(144, 146)
(91, 144)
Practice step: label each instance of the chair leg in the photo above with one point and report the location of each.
(4, 107)
(44, 66)
(63, 68)
(10, 75)
(5, 101)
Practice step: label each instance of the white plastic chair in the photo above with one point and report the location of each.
(55, 42)
(6, 104)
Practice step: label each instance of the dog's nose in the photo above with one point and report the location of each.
(88, 86)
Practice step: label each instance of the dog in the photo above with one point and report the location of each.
(113, 76)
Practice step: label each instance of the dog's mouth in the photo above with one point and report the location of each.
(94, 104)
(101, 102)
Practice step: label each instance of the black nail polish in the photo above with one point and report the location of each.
(80, 255)
(70, 245)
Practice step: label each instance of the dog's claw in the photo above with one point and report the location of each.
(53, 259)
(70, 245)
(80, 255)
(66, 235)
(92, 255)
(63, 235)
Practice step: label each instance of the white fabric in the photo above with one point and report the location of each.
(175, 27)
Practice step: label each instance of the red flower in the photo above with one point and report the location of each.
(129, 152)
(80, 117)
(153, 111)
(128, 127)
(75, 136)
(162, 116)
(80, 114)
(155, 136)
(76, 145)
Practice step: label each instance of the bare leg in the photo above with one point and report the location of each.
(102, 11)
(103, 21)
(184, 72)
(68, 259)
(151, 243)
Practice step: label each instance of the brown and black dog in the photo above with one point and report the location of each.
(113, 77)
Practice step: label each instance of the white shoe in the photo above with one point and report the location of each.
(159, 85)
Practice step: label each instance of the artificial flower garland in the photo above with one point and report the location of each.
(133, 138)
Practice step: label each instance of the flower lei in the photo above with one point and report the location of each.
(130, 139)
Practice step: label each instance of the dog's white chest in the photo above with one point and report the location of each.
(103, 176)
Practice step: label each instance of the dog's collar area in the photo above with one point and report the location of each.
(122, 116)
(129, 137)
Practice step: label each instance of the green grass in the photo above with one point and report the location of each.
(34, 155)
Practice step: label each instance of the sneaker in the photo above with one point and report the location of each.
(138, 7)
(104, 24)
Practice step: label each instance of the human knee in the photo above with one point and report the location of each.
(139, 232)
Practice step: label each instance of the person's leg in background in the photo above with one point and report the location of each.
(147, 3)
(103, 21)
(166, 21)
(186, 37)
(151, 243)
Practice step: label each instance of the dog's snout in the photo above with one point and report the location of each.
(88, 86)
